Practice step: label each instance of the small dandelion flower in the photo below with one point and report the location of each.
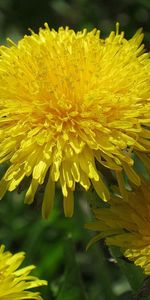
(15, 283)
(127, 224)
(69, 100)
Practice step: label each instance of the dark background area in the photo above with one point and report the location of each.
(57, 246)
(19, 15)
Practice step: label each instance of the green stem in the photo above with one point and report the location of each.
(103, 274)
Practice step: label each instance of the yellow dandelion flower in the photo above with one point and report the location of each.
(69, 100)
(127, 224)
(15, 283)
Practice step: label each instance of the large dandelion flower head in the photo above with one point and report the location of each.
(127, 224)
(69, 100)
(15, 283)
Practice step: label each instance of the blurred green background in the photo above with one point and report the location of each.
(57, 246)
(16, 16)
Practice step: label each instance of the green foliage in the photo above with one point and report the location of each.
(16, 16)
(72, 288)
(72, 272)
(134, 274)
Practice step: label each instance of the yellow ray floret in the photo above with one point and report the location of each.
(69, 100)
(15, 283)
(127, 224)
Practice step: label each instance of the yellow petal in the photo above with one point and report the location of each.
(101, 189)
(121, 183)
(29, 197)
(68, 203)
(132, 175)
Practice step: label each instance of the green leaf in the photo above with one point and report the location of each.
(133, 273)
(145, 3)
(144, 291)
(103, 273)
(72, 288)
